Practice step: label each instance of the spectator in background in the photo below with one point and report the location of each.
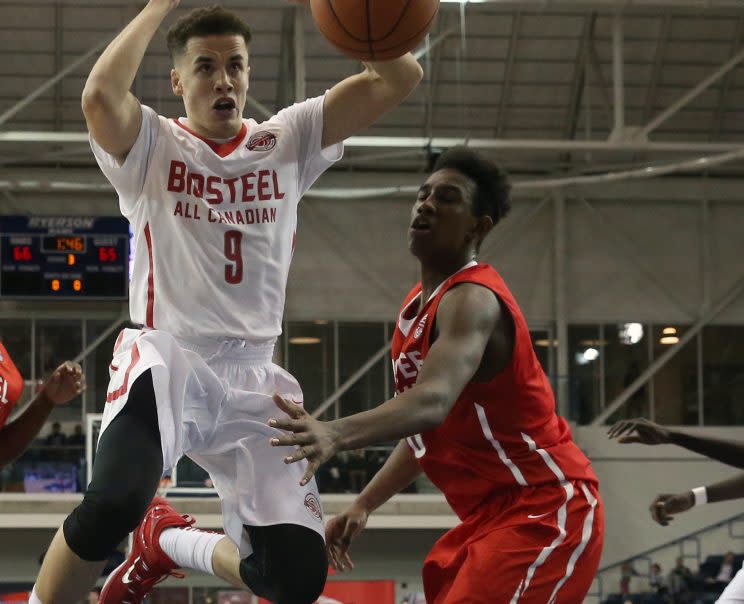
(57, 437)
(725, 573)
(627, 572)
(680, 582)
(77, 438)
(656, 581)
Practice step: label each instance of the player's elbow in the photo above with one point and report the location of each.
(94, 99)
(410, 75)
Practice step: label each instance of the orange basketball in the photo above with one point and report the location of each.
(374, 30)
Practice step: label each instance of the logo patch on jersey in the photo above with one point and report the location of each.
(262, 141)
(420, 327)
(313, 506)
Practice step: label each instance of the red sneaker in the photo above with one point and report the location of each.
(146, 564)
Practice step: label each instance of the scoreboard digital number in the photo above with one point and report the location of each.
(64, 257)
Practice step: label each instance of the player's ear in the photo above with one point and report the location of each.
(483, 226)
(176, 82)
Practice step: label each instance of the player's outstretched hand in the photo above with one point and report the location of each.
(315, 440)
(64, 384)
(340, 531)
(640, 430)
(664, 506)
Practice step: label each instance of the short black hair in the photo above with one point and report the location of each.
(491, 181)
(208, 21)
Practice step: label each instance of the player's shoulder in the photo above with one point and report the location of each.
(469, 303)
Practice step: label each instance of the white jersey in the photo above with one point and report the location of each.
(214, 224)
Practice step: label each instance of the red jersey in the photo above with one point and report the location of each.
(11, 385)
(501, 433)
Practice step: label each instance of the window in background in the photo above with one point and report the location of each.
(675, 385)
(357, 343)
(584, 349)
(58, 340)
(310, 359)
(626, 352)
(97, 364)
(723, 375)
(544, 345)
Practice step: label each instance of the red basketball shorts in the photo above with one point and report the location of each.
(531, 545)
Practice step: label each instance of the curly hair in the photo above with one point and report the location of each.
(492, 182)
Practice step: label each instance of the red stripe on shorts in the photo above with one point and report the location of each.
(150, 279)
(121, 390)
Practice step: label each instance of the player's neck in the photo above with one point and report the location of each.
(224, 132)
(434, 273)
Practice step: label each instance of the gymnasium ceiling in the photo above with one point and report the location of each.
(532, 81)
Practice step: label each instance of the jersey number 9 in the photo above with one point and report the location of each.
(234, 271)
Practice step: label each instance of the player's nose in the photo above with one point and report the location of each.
(222, 82)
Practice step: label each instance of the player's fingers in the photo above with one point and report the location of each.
(614, 428)
(301, 438)
(351, 530)
(289, 407)
(312, 466)
(332, 558)
(346, 560)
(289, 425)
(296, 455)
(630, 438)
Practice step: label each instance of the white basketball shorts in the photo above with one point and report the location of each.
(734, 592)
(213, 402)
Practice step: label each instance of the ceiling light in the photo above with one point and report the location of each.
(304, 340)
(591, 342)
(591, 354)
(669, 331)
(320, 322)
(630, 333)
(545, 343)
(669, 340)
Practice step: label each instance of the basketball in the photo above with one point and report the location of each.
(374, 30)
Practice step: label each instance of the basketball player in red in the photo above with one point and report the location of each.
(63, 385)
(475, 412)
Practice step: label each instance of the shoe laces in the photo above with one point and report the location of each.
(142, 584)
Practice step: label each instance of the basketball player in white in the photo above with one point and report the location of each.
(212, 199)
(666, 506)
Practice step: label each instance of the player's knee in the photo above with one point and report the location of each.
(102, 520)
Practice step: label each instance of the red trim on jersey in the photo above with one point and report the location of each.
(121, 390)
(221, 149)
(150, 279)
(119, 338)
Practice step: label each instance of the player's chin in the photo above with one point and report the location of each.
(419, 244)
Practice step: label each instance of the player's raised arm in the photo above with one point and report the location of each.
(360, 100)
(646, 432)
(111, 111)
(466, 318)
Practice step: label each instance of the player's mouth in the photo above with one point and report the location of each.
(225, 107)
(420, 226)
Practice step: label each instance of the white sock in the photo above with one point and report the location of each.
(33, 598)
(189, 547)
